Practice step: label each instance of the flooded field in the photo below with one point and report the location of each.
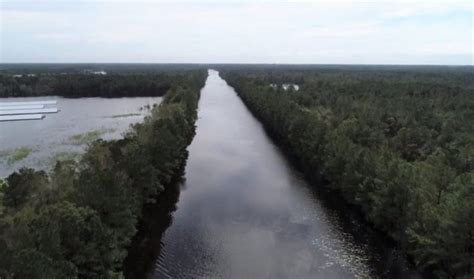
(64, 135)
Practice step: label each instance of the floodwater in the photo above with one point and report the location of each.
(63, 135)
(244, 212)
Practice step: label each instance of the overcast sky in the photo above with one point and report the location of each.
(322, 32)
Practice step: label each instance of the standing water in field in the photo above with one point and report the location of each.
(64, 135)
(244, 212)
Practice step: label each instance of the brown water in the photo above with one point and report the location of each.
(244, 212)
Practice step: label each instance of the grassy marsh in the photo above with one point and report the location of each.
(16, 155)
(125, 115)
(89, 137)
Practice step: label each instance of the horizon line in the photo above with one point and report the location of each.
(238, 63)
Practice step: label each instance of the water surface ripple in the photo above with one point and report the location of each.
(244, 212)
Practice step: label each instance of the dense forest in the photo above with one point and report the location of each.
(395, 142)
(79, 219)
(94, 80)
(113, 68)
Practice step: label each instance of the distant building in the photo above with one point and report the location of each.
(286, 86)
(102, 73)
(20, 75)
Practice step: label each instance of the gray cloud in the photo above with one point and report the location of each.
(244, 32)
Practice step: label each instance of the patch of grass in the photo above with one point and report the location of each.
(86, 137)
(125, 115)
(19, 154)
(65, 156)
(89, 137)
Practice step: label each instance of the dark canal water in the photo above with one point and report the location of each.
(244, 212)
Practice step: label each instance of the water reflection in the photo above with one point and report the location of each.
(146, 245)
(245, 213)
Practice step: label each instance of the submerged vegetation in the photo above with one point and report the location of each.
(125, 115)
(16, 155)
(396, 143)
(89, 137)
(78, 220)
(19, 154)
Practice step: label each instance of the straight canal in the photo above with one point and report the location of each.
(244, 212)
